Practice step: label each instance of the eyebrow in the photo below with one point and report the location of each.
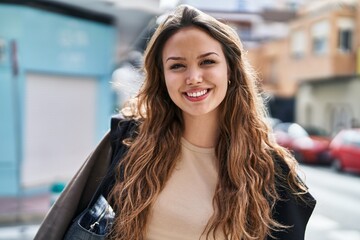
(201, 56)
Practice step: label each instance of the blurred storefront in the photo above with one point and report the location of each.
(56, 62)
(331, 103)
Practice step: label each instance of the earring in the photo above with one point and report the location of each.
(229, 82)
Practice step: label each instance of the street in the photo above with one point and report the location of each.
(336, 216)
(337, 213)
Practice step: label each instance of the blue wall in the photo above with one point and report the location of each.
(48, 43)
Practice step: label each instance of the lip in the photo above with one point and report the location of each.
(197, 99)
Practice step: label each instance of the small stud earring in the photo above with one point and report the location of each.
(229, 82)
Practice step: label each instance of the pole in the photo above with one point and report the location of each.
(17, 123)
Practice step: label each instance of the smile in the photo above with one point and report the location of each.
(197, 94)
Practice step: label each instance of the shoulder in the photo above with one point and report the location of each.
(292, 209)
(120, 129)
(284, 171)
(118, 123)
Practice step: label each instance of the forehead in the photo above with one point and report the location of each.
(190, 40)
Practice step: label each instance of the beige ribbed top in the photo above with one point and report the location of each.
(184, 207)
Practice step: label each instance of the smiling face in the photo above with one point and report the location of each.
(195, 71)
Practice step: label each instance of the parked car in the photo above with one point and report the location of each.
(317, 131)
(345, 150)
(306, 148)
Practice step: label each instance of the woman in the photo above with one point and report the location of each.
(204, 164)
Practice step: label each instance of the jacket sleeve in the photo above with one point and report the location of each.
(77, 193)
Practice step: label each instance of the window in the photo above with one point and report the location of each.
(346, 29)
(298, 44)
(352, 138)
(345, 40)
(320, 37)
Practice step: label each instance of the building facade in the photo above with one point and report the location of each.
(320, 52)
(56, 62)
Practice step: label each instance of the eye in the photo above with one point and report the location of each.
(207, 62)
(176, 66)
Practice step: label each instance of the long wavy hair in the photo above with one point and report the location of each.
(246, 190)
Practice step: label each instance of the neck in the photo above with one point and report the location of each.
(202, 131)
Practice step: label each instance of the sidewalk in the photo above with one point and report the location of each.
(20, 232)
(24, 210)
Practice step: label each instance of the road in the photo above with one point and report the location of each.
(337, 213)
(336, 216)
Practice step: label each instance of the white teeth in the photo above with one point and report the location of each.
(197, 94)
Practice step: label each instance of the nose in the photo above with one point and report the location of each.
(194, 76)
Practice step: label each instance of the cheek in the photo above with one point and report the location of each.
(171, 85)
(222, 83)
(220, 77)
(167, 80)
(172, 79)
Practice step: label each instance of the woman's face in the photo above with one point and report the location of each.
(195, 71)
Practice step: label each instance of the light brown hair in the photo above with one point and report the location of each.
(246, 192)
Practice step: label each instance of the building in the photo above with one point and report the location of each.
(357, 40)
(244, 5)
(329, 98)
(56, 61)
(312, 75)
(254, 21)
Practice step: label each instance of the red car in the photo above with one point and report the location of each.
(345, 150)
(306, 148)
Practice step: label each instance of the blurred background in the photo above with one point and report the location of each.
(67, 66)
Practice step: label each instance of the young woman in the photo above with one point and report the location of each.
(203, 164)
